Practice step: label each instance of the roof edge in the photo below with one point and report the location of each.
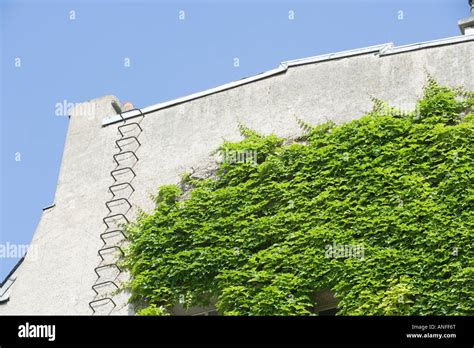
(428, 44)
(12, 271)
(381, 50)
(152, 108)
(338, 55)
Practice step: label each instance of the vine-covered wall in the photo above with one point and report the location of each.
(379, 210)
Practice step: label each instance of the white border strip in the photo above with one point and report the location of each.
(382, 50)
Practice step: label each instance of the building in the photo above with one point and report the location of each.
(115, 160)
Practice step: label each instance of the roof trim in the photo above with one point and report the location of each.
(149, 109)
(381, 50)
(12, 271)
(428, 44)
(49, 206)
(338, 55)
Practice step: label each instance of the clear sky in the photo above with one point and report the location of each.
(77, 56)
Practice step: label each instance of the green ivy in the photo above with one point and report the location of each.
(256, 236)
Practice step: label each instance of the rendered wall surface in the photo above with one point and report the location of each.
(57, 278)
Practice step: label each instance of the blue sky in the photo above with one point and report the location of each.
(80, 59)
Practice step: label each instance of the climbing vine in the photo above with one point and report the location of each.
(379, 210)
